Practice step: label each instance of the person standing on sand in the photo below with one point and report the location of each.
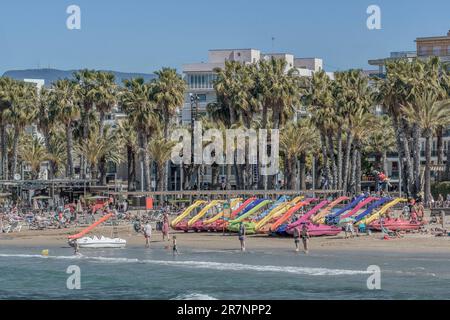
(165, 227)
(305, 237)
(242, 235)
(147, 234)
(420, 211)
(297, 233)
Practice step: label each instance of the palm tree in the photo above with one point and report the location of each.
(428, 113)
(105, 95)
(7, 93)
(21, 113)
(64, 108)
(321, 103)
(141, 112)
(352, 93)
(33, 152)
(363, 122)
(168, 91)
(86, 97)
(296, 139)
(381, 140)
(98, 146)
(105, 99)
(57, 150)
(128, 138)
(46, 125)
(160, 150)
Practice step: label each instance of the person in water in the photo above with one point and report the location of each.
(147, 234)
(165, 227)
(305, 237)
(174, 245)
(76, 247)
(242, 235)
(297, 233)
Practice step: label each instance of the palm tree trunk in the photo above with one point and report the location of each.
(326, 168)
(302, 169)
(440, 150)
(403, 150)
(69, 146)
(102, 169)
(264, 117)
(348, 146)
(339, 160)
(131, 169)
(228, 186)
(214, 175)
(4, 146)
(428, 142)
(94, 171)
(384, 162)
(353, 171)
(358, 170)
(146, 160)
(52, 168)
(332, 159)
(447, 166)
(14, 151)
(416, 157)
(160, 172)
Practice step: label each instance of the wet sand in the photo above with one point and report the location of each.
(411, 243)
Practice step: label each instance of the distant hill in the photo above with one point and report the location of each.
(51, 75)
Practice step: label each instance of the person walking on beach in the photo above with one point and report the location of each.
(147, 234)
(297, 233)
(76, 248)
(174, 245)
(305, 237)
(165, 227)
(242, 235)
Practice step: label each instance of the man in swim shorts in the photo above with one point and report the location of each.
(147, 234)
(297, 238)
(242, 235)
(305, 237)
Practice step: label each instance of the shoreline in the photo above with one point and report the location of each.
(409, 243)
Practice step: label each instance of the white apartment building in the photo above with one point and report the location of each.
(200, 76)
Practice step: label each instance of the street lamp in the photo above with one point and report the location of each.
(194, 98)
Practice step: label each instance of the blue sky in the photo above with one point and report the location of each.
(144, 35)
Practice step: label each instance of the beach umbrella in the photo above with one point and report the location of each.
(96, 197)
(346, 220)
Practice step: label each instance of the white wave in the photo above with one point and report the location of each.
(222, 266)
(194, 296)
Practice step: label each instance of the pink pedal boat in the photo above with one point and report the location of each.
(396, 225)
(317, 230)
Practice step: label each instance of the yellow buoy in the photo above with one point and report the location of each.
(44, 252)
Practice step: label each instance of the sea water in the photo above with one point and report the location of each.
(139, 273)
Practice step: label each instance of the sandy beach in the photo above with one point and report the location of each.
(411, 243)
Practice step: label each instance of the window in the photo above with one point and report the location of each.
(448, 50)
(201, 97)
(423, 50)
(436, 51)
